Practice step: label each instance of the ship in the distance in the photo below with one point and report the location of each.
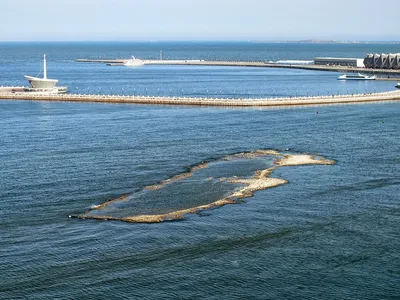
(357, 76)
(131, 62)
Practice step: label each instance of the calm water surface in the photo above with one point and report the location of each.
(330, 233)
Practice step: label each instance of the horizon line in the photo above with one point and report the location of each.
(310, 41)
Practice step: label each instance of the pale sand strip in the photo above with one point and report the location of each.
(104, 204)
(255, 184)
(176, 215)
(260, 181)
(303, 159)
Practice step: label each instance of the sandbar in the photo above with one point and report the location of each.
(261, 180)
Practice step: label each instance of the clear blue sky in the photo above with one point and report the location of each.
(156, 20)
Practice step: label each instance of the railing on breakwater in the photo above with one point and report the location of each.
(248, 102)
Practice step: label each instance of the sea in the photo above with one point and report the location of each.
(331, 232)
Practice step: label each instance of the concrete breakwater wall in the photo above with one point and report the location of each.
(288, 101)
(11, 89)
(344, 69)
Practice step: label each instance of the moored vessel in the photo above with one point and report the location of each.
(133, 62)
(357, 76)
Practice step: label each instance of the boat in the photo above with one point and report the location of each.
(133, 62)
(357, 76)
(398, 85)
(43, 85)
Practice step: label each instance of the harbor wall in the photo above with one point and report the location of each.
(256, 102)
(333, 68)
(11, 89)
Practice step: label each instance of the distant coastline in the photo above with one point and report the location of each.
(346, 42)
(307, 41)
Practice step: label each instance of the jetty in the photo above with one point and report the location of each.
(384, 73)
(198, 101)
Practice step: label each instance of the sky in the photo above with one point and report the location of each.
(197, 20)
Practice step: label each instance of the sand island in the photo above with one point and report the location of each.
(242, 187)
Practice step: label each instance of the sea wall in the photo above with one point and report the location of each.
(287, 101)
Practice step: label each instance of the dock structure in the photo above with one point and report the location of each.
(222, 102)
(198, 62)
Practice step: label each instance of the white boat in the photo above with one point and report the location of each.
(357, 76)
(398, 85)
(43, 85)
(133, 62)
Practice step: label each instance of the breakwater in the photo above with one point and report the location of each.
(261, 102)
(383, 72)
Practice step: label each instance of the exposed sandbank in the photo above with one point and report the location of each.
(261, 180)
(303, 159)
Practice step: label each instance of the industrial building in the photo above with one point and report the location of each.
(336, 61)
(382, 61)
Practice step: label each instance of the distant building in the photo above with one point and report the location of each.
(337, 61)
(382, 61)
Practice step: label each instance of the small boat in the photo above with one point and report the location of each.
(133, 62)
(357, 76)
(398, 85)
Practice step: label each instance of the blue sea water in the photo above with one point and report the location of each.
(330, 233)
(20, 59)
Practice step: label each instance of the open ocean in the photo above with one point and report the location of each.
(332, 232)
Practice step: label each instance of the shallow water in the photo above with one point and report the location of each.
(330, 233)
(203, 187)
